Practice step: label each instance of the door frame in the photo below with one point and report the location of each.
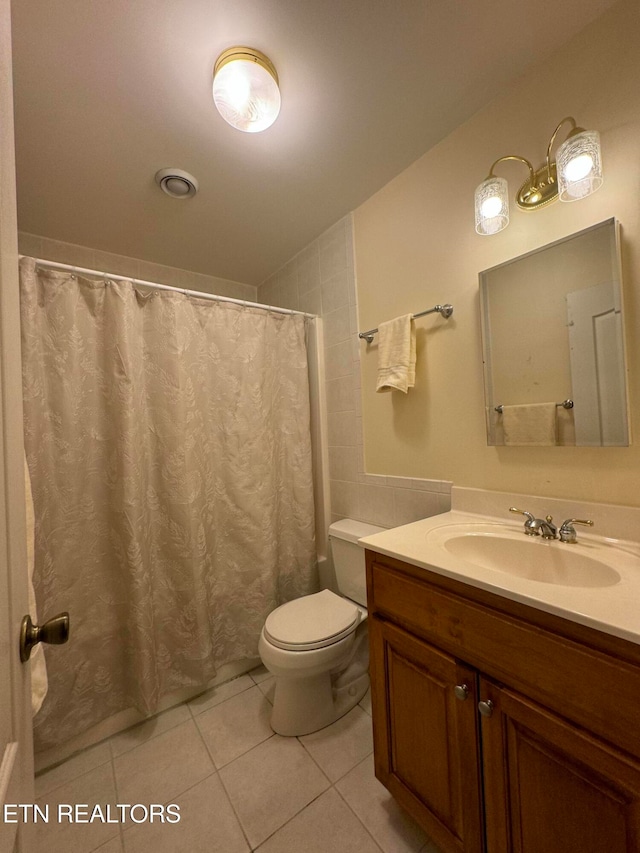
(15, 708)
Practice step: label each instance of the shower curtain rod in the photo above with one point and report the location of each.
(199, 293)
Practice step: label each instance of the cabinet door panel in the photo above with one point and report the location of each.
(552, 786)
(426, 738)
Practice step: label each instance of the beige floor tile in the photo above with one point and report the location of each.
(339, 747)
(220, 694)
(325, 825)
(113, 846)
(164, 767)
(136, 736)
(236, 726)
(73, 767)
(365, 702)
(270, 784)
(390, 825)
(93, 788)
(207, 825)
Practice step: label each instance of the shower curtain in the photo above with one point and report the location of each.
(168, 441)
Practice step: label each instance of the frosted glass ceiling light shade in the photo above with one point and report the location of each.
(579, 165)
(576, 174)
(245, 89)
(492, 206)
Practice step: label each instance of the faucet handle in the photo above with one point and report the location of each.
(567, 532)
(529, 525)
(521, 512)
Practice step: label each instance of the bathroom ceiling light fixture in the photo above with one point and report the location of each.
(177, 183)
(575, 174)
(245, 89)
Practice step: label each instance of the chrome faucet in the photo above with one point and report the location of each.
(546, 528)
(537, 526)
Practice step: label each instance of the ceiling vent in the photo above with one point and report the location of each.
(177, 183)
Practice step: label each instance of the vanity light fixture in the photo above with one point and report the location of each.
(245, 89)
(575, 174)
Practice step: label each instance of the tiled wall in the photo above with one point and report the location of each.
(322, 280)
(83, 256)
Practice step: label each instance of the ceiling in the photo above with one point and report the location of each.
(108, 93)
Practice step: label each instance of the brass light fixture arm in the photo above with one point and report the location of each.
(514, 157)
(574, 128)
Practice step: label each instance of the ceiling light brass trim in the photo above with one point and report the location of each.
(249, 54)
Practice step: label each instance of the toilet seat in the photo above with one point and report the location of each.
(311, 622)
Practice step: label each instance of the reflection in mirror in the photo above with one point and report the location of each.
(552, 334)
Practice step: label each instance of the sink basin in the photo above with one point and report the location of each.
(546, 561)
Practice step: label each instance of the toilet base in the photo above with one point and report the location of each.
(305, 705)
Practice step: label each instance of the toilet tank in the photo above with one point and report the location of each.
(348, 557)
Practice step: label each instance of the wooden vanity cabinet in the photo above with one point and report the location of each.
(553, 763)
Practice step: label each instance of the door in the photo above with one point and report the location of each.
(16, 750)
(426, 735)
(597, 366)
(551, 786)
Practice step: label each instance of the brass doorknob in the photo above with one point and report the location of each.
(54, 631)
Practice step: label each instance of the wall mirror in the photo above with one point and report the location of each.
(553, 332)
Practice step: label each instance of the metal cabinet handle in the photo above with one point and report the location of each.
(486, 708)
(461, 691)
(55, 630)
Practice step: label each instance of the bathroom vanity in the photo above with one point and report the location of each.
(502, 722)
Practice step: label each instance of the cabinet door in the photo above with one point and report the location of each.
(426, 739)
(551, 786)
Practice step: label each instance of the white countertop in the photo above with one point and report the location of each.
(613, 608)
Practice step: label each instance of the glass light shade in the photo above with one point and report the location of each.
(579, 166)
(245, 90)
(492, 206)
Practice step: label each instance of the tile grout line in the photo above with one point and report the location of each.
(115, 786)
(224, 787)
(288, 821)
(253, 746)
(73, 778)
(126, 828)
(222, 701)
(354, 813)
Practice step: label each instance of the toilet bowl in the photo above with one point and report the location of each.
(317, 646)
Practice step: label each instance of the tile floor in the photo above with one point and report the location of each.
(239, 786)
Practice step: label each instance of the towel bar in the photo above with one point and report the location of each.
(444, 310)
(566, 404)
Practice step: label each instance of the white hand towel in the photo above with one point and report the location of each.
(397, 354)
(532, 425)
(39, 681)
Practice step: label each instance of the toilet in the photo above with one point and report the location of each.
(317, 646)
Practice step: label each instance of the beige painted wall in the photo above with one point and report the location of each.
(416, 246)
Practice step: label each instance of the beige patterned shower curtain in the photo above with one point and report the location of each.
(168, 442)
